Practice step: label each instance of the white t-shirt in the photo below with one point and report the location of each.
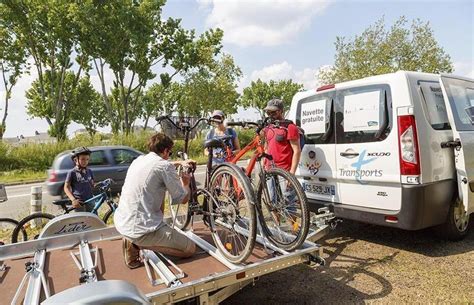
(148, 178)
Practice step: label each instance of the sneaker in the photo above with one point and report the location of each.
(131, 254)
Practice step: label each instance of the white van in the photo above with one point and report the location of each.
(394, 150)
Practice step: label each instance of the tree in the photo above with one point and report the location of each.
(46, 29)
(211, 87)
(12, 65)
(259, 93)
(80, 102)
(131, 38)
(379, 51)
(88, 108)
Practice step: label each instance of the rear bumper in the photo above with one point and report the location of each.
(55, 188)
(422, 206)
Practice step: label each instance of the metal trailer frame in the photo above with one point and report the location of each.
(211, 289)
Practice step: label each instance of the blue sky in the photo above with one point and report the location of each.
(281, 39)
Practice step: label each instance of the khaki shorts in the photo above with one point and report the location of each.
(164, 237)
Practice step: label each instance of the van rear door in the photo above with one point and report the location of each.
(317, 167)
(459, 99)
(368, 172)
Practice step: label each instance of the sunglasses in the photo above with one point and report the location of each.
(272, 112)
(217, 117)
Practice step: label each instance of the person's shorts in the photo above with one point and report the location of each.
(164, 237)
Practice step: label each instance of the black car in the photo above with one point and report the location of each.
(105, 162)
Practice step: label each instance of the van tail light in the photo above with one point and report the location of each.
(53, 177)
(326, 87)
(408, 145)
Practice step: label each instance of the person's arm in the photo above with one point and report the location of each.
(68, 191)
(294, 139)
(295, 145)
(176, 187)
(236, 143)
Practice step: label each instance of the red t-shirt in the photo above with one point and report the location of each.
(278, 145)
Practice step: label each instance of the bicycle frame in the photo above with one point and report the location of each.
(256, 145)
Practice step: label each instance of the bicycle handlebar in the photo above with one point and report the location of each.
(181, 128)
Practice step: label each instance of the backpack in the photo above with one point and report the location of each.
(301, 134)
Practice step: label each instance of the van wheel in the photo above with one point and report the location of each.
(456, 226)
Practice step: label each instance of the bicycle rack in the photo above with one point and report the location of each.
(156, 261)
(87, 266)
(36, 280)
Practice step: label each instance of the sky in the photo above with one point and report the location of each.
(288, 39)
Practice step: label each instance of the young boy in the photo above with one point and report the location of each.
(80, 180)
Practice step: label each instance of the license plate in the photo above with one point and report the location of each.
(320, 189)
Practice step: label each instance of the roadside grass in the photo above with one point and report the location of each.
(29, 162)
(21, 176)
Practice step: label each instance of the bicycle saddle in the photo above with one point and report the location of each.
(214, 143)
(62, 202)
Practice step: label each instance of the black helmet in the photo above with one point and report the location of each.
(80, 151)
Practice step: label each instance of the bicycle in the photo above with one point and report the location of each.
(230, 216)
(282, 208)
(7, 225)
(33, 224)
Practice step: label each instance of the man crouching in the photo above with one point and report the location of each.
(139, 216)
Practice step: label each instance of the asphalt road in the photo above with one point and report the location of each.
(18, 204)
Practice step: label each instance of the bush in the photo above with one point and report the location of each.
(39, 157)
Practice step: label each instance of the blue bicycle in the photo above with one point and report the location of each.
(33, 224)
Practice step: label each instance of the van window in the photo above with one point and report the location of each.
(364, 114)
(314, 116)
(432, 96)
(461, 99)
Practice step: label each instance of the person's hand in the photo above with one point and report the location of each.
(189, 162)
(76, 203)
(185, 179)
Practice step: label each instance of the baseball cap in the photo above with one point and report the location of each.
(274, 104)
(218, 113)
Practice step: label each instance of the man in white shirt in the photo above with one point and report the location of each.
(139, 216)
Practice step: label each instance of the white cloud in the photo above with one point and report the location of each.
(261, 22)
(464, 68)
(282, 71)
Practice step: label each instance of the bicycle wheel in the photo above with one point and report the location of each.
(7, 226)
(179, 213)
(232, 213)
(108, 220)
(282, 209)
(32, 225)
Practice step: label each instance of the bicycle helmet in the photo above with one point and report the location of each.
(80, 151)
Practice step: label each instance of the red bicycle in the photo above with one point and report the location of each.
(281, 201)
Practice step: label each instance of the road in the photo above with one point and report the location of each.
(18, 204)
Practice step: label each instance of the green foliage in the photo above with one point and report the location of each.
(209, 88)
(46, 29)
(39, 157)
(12, 65)
(379, 51)
(259, 93)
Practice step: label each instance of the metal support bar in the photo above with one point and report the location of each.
(86, 265)
(36, 281)
(210, 249)
(260, 239)
(156, 261)
(227, 292)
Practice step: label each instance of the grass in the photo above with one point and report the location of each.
(21, 176)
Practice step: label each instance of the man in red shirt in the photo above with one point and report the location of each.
(282, 143)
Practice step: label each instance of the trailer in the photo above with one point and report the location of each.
(77, 259)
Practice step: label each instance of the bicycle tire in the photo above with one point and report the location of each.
(226, 215)
(24, 225)
(107, 216)
(271, 226)
(5, 233)
(181, 212)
